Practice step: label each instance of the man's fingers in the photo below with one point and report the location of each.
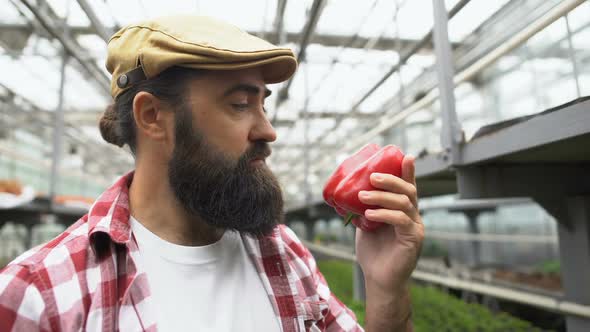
(409, 169)
(389, 200)
(393, 217)
(394, 184)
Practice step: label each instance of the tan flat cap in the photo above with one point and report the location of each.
(143, 50)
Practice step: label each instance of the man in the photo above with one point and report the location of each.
(192, 240)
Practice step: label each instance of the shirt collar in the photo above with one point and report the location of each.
(109, 215)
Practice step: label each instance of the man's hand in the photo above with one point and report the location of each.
(389, 254)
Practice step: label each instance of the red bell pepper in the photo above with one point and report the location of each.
(345, 168)
(387, 160)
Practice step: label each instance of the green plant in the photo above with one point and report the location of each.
(339, 277)
(433, 310)
(338, 274)
(549, 267)
(3, 262)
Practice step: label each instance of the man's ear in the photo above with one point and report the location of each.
(151, 119)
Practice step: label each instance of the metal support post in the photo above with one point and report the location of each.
(451, 135)
(58, 132)
(309, 229)
(574, 251)
(306, 145)
(29, 235)
(472, 215)
(311, 213)
(398, 49)
(472, 219)
(573, 56)
(281, 35)
(404, 135)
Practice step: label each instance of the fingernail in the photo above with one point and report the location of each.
(364, 194)
(369, 213)
(377, 177)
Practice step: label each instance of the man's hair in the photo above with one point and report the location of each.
(117, 125)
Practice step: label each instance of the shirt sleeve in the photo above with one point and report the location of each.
(22, 307)
(339, 317)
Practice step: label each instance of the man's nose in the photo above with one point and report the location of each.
(263, 130)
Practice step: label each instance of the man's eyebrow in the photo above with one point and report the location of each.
(248, 88)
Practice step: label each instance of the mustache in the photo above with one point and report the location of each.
(259, 150)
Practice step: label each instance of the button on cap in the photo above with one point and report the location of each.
(122, 81)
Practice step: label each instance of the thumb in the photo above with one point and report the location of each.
(409, 169)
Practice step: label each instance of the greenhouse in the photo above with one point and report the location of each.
(489, 97)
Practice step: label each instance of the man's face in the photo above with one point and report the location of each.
(228, 109)
(217, 169)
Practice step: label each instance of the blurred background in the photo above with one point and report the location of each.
(489, 95)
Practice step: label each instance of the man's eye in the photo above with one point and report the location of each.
(243, 107)
(240, 107)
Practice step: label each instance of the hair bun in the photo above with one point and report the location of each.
(109, 126)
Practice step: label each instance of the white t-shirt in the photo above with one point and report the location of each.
(206, 288)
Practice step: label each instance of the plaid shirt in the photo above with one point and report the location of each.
(87, 279)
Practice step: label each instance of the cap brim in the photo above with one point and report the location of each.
(274, 70)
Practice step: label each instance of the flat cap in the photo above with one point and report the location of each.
(143, 50)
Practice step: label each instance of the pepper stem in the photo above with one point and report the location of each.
(349, 218)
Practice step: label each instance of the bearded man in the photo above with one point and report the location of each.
(193, 239)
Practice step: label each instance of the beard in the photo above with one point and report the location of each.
(224, 193)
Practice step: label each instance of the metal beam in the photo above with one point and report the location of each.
(573, 120)
(421, 85)
(541, 180)
(75, 30)
(58, 132)
(524, 159)
(451, 133)
(31, 116)
(552, 50)
(574, 252)
(50, 22)
(388, 120)
(90, 117)
(278, 23)
(327, 40)
(509, 238)
(316, 11)
(404, 57)
(383, 44)
(104, 32)
(472, 204)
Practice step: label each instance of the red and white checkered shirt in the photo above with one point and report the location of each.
(87, 279)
